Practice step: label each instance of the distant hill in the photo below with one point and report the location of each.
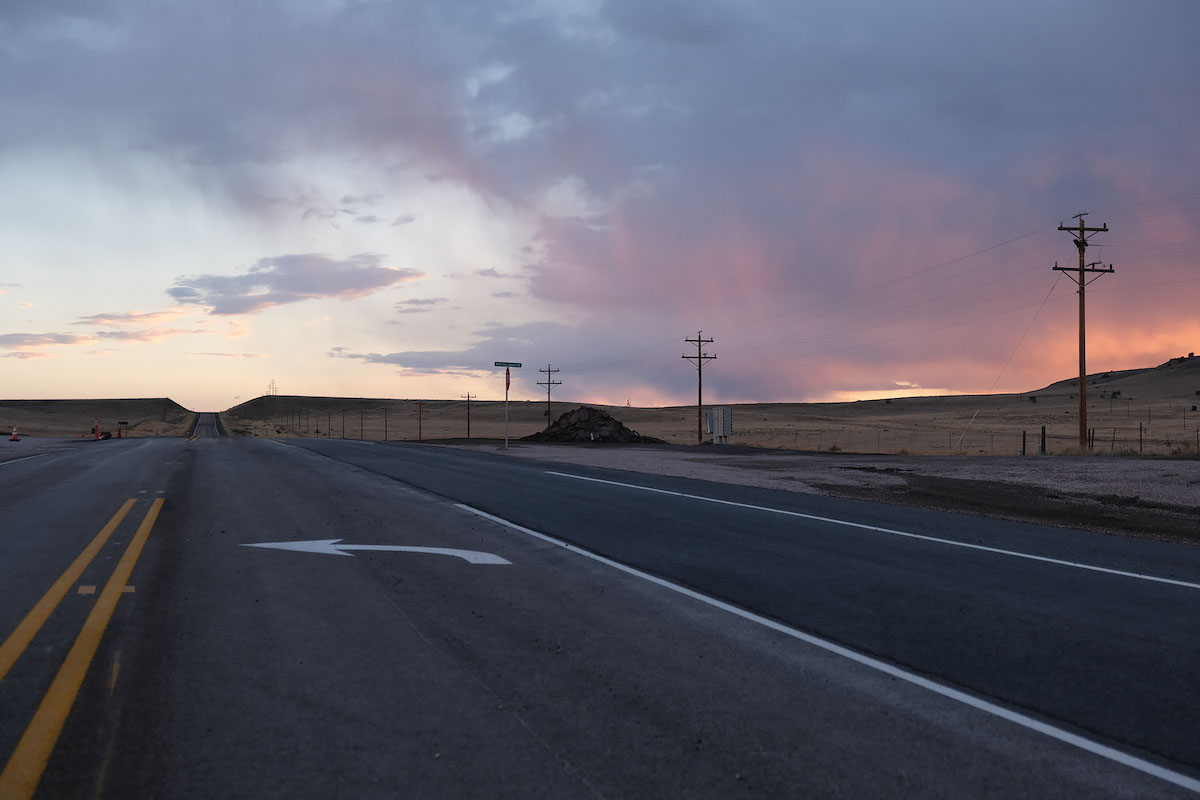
(147, 416)
(271, 405)
(1175, 379)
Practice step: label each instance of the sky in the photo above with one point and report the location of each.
(852, 200)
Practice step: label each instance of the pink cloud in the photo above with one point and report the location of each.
(852, 272)
(134, 317)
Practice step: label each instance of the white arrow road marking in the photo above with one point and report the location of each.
(332, 548)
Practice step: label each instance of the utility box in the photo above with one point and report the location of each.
(720, 424)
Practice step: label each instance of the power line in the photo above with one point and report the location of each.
(1007, 361)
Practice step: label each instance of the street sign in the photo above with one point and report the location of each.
(508, 363)
(507, 379)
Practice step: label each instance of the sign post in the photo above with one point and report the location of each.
(507, 383)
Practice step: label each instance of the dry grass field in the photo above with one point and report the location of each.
(158, 416)
(1146, 411)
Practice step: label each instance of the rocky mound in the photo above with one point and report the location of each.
(586, 424)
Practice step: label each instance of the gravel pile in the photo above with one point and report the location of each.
(586, 424)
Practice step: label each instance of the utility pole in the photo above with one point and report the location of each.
(699, 358)
(1082, 233)
(549, 383)
(468, 396)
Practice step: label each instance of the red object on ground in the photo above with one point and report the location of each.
(15, 438)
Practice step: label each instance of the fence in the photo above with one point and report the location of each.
(1115, 428)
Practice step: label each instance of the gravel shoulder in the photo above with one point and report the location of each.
(1156, 498)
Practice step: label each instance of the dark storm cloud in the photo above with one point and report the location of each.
(739, 86)
(289, 279)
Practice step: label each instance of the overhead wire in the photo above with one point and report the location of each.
(1008, 360)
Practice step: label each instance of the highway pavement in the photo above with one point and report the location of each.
(236, 617)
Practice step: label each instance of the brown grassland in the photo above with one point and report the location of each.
(1145, 411)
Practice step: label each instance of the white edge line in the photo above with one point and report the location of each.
(891, 532)
(1075, 740)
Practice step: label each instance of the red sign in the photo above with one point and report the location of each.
(507, 379)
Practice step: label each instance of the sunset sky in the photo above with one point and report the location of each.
(381, 199)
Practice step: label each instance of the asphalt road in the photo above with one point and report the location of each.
(621, 636)
(207, 425)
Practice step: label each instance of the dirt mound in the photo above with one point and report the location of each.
(586, 424)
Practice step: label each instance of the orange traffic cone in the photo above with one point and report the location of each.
(15, 438)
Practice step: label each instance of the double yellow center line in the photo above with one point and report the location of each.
(25, 766)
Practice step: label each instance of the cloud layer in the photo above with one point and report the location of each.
(849, 197)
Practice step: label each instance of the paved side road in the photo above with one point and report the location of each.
(234, 671)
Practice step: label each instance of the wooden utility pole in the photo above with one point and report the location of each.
(468, 396)
(1082, 233)
(699, 358)
(549, 383)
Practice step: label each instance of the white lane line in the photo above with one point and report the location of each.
(1014, 553)
(22, 458)
(1075, 740)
